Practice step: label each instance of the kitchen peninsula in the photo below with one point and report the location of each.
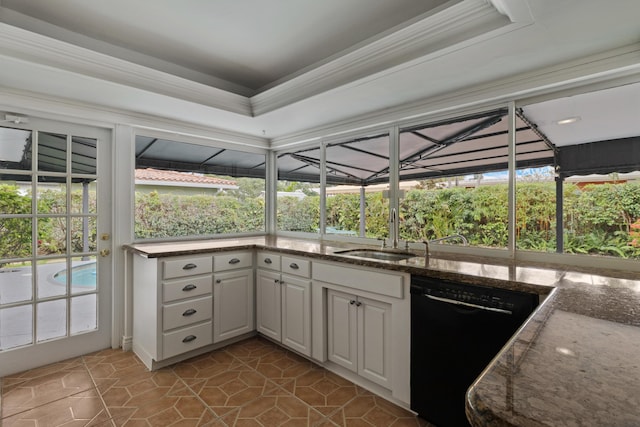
(574, 362)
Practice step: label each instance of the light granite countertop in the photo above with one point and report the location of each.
(575, 362)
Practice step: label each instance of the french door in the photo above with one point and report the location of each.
(55, 243)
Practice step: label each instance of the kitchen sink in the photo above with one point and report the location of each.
(376, 254)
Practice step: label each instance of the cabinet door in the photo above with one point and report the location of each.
(342, 345)
(233, 302)
(374, 341)
(268, 300)
(296, 313)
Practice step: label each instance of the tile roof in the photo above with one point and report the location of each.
(173, 176)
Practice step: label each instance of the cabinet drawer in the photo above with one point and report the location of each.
(186, 288)
(267, 260)
(296, 266)
(377, 281)
(186, 313)
(183, 340)
(232, 261)
(186, 267)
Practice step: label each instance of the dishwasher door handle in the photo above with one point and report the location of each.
(467, 304)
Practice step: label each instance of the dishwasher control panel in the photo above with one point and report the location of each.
(474, 295)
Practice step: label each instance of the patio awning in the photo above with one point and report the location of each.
(474, 144)
(469, 145)
(17, 154)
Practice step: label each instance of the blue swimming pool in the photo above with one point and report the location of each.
(81, 275)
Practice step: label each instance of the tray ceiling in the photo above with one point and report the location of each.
(284, 72)
(250, 44)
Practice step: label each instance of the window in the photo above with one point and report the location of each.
(298, 191)
(357, 201)
(455, 183)
(595, 190)
(184, 189)
(48, 236)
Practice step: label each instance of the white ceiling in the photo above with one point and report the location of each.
(600, 115)
(250, 43)
(287, 69)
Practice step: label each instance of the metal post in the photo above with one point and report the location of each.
(363, 203)
(559, 216)
(394, 184)
(85, 219)
(323, 188)
(511, 222)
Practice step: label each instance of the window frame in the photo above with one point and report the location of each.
(207, 142)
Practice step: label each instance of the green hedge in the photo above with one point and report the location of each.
(598, 219)
(167, 215)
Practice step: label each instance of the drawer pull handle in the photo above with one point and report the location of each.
(234, 261)
(189, 338)
(218, 280)
(268, 261)
(189, 312)
(294, 266)
(189, 287)
(189, 266)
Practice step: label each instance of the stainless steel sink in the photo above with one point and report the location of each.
(376, 254)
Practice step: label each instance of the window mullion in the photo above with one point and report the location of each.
(511, 215)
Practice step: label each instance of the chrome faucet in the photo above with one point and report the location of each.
(465, 242)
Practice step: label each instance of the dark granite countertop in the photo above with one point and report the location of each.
(576, 361)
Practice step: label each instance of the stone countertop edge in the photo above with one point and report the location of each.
(440, 268)
(541, 376)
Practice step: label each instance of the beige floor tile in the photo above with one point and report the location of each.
(83, 409)
(44, 389)
(251, 383)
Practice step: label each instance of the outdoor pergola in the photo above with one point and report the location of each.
(469, 145)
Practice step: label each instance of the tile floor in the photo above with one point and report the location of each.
(251, 383)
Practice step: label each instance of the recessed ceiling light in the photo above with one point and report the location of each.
(569, 120)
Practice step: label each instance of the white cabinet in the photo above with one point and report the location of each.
(268, 304)
(233, 295)
(283, 293)
(172, 300)
(361, 325)
(359, 335)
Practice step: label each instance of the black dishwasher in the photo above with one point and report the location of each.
(456, 329)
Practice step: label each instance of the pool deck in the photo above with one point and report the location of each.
(16, 286)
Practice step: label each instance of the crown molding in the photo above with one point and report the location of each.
(55, 108)
(620, 64)
(516, 10)
(453, 25)
(19, 20)
(40, 49)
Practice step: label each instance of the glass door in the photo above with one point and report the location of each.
(55, 230)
